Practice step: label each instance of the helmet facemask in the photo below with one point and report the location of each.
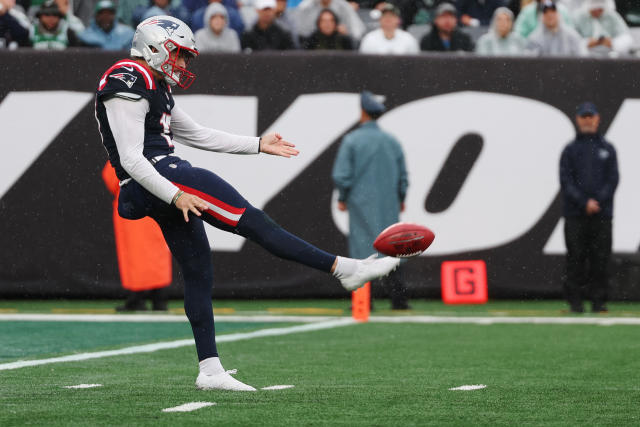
(174, 73)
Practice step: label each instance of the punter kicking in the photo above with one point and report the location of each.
(139, 122)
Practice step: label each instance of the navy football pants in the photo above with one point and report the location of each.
(188, 242)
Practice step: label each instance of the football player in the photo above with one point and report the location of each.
(139, 123)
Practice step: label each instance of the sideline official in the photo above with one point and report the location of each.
(588, 178)
(371, 177)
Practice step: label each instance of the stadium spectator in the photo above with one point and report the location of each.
(553, 38)
(389, 39)
(126, 10)
(144, 260)
(105, 32)
(326, 36)
(216, 36)
(193, 5)
(266, 34)
(286, 21)
(425, 13)
(32, 7)
(408, 8)
(14, 25)
(371, 178)
(575, 6)
(474, 13)
(529, 18)
(51, 30)
(603, 29)
(84, 9)
(501, 40)
(161, 7)
(445, 35)
(588, 179)
(75, 23)
(350, 23)
(234, 20)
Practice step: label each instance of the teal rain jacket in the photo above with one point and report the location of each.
(371, 177)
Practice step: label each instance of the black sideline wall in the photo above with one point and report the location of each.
(482, 139)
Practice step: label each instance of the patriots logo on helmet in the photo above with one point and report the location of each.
(128, 79)
(167, 25)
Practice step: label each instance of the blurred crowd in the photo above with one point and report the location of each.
(402, 27)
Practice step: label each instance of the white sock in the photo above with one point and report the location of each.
(345, 267)
(211, 366)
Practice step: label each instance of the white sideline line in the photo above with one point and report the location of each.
(602, 321)
(160, 318)
(479, 320)
(179, 343)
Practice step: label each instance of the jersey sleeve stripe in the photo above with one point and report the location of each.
(148, 79)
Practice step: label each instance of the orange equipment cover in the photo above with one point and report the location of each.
(143, 256)
(361, 303)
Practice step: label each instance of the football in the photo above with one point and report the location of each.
(403, 240)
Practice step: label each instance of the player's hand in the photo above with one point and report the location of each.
(189, 203)
(593, 43)
(593, 207)
(342, 206)
(272, 143)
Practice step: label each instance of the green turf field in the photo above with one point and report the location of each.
(374, 374)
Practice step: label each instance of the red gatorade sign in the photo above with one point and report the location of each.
(464, 282)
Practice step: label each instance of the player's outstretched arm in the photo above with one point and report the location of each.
(272, 143)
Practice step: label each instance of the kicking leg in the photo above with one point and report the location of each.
(229, 211)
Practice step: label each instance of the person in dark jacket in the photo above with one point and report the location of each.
(14, 26)
(478, 12)
(326, 36)
(588, 179)
(445, 35)
(266, 34)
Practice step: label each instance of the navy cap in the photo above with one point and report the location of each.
(586, 109)
(370, 104)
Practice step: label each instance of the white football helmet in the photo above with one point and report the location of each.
(161, 40)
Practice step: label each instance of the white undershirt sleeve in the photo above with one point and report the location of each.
(186, 131)
(126, 120)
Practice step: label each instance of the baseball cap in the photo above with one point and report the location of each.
(548, 4)
(104, 4)
(446, 8)
(370, 104)
(388, 7)
(586, 109)
(49, 7)
(597, 4)
(265, 4)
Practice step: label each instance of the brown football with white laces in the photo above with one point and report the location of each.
(403, 240)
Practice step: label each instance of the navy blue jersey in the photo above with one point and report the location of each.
(129, 78)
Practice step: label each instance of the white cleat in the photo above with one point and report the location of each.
(223, 381)
(369, 269)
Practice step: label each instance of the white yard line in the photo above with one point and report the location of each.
(188, 407)
(179, 343)
(152, 318)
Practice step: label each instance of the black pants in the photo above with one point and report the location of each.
(393, 285)
(588, 241)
